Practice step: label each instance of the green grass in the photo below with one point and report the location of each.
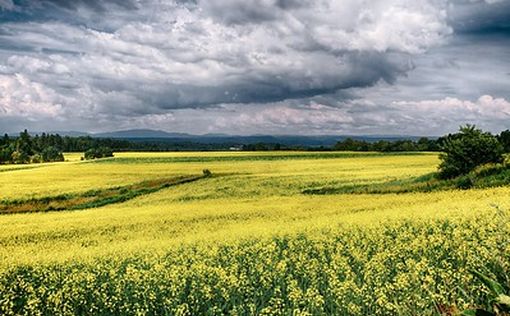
(484, 177)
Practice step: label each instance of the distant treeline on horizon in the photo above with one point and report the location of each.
(49, 147)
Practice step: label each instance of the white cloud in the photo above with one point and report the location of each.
(312, 116)
(485, 108)
(364, 116)
(21, 97)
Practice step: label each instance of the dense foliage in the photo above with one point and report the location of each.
(504, 139)
(27, 149)
(99, 152)
(423, 144)
(469, 148)
(50, 143)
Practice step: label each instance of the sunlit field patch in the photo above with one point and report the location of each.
(57, 178)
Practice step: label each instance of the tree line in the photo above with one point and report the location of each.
(422, 144)
(26, 148)
(352, 144)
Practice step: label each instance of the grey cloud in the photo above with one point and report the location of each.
(184, 59)
(240, 12)
(151, 62)
(96, 5)
(480, 17)
(6, 5)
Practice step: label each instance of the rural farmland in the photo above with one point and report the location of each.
(255, 157)
(270, 233)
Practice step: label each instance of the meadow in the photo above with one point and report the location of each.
(249, 239)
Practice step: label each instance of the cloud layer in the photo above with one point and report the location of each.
(85, 63)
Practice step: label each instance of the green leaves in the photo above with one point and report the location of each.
(495, 288)
(477, 312)
(499, 301)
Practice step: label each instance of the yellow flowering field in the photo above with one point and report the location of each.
(247, 241)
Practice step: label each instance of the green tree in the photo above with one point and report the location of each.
(51, 153)
(5, 155)
(24, 144)
(467, 149)
(4, 141)
(504, 139)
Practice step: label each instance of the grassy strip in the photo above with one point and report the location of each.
(255, 157)
(487, 176)
(92, 198)
(19, 168)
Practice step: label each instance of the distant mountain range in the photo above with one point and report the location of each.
(140, 133)
(289, 140)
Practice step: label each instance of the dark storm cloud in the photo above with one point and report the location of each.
(149, 62)
(481, 17)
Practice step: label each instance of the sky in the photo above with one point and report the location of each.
(307, 67)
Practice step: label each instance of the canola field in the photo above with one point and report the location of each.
(246, 240)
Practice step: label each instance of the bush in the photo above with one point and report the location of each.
(468, 149)
(491, 169)
(101, 152)
(36, 159)
(465, 182)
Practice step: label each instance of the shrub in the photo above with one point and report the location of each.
(491, 169)
(465, 182)
(100, 152)
(36, 158)
(468, 149)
